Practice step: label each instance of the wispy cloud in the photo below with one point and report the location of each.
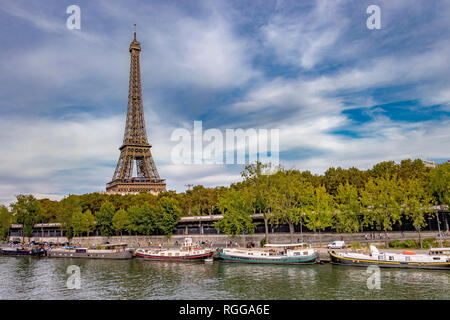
(305, 68)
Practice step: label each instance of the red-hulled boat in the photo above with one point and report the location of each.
(188, 251)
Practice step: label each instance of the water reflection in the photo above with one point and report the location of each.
(45, 278)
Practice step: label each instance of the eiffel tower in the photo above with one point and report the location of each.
(135, 149)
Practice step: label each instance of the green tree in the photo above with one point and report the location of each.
(211, 200)
(49, 210)
(149, 219)
(65, 210)
(83, 222)
(292, 194)
(168, 214)
(417, 204)
(319, 214)
(120, 221)
(141, 220)
(26, 211)
(88, 222)
(237, 208)
(104, 219)
(349, 208)
(439, 184)
(134, 220)
(385, 169)
(413, 170)
(77, 222)
(382, 200)
(92, 201)
(333, 178)
(6, 219)
(261, 191)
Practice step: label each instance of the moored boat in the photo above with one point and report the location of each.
(22, 251)
(439, 251)
(111, 251)
(188, 251)
(406, 259)
(295, 253)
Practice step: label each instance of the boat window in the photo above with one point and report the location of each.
(407, 258)
(391, 258)
(380, 257)
(436, 258)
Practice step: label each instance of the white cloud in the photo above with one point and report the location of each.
(384, 140)
(303, 39)
(205, 53)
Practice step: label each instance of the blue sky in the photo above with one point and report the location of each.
(340, 94)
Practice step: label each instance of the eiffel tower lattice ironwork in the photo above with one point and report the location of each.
(135, 149)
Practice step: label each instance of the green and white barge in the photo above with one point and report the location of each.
(295, 253)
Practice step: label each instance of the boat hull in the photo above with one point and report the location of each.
(89, 255)
(335, 259)
(175, 258)
(21, 253)
(270, 260)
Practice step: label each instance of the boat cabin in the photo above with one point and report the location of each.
(289, 249)
(440, 251)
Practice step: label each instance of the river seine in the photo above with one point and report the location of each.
(46, 278)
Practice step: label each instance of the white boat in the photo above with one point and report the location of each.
(188, 251)
(439, 251)
(111, 251)
(406, 259)
(292, 253)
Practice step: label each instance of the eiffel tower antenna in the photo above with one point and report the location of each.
(135, 149)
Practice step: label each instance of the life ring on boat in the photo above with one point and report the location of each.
(409, 252)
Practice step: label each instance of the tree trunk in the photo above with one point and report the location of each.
(420, 238)
(301, 229)
(266, 229)
(291, 231)
(386, 239)
(439, 229)
(320, 239)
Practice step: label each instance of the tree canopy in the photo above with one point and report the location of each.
(346, 200)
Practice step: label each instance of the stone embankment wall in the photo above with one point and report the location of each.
(223, 240)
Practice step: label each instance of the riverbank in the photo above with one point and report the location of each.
(136, 279)
(221, 240)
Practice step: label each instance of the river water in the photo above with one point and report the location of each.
(46, 278)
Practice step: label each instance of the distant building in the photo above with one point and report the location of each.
(430, 164)
(135, 150)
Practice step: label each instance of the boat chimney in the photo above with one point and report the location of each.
(373, 250)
